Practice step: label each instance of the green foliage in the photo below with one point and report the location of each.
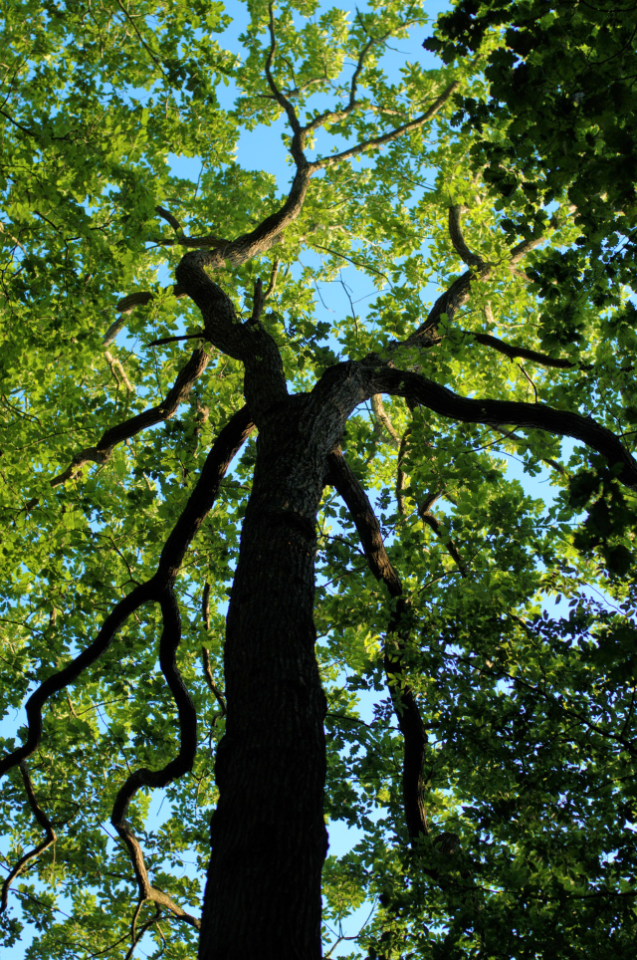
(530, 715)
(559, 124)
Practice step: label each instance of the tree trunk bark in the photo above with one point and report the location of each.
(268, 836)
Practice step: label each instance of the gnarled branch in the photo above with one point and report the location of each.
(175, 768)
(497, 413)
(199, 504)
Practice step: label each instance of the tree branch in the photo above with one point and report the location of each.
(425, 514)
(381, 415)
(207, 672)
(273, 278)
(458, 241)
(168, 217)
(175, 768)
(377, 142)
(199, 504)
(296, 147)
(333, 116)
(512, 351)
(459, 291)
(249, 342)
(101, 452)
(405, 706)
(127, 304)
(44, 822)
(496, 413)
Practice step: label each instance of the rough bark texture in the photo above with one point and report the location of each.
(263, 895)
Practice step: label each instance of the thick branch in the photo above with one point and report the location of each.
(220, 252)
(458, 241)
(496, 413)
(405, 706)
(522, 248)
(249, 342)
(168, 217)
(177, 767)
(44, 822)
(200, 502)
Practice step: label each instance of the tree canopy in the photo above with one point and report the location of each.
(264, 568)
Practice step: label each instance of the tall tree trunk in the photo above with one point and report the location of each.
(263, 895)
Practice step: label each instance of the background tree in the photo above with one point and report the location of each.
(495, 779)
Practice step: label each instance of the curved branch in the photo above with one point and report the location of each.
(135, 935)
(407, 713)
(127, 304)
(381, 415)
(101, 452)
(220, 252)
(296, 147)
(333, 116)
(425, 514)
(459, 291)
(248, 342)
(207, 672)
(199, 504)
(512, 351)
(457, 238)
(175, 768)
(168, 217)
(496, 413)
(273, 278)
(58, 681)
(400, 473)
(44, 822)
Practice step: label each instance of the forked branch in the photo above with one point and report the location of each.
(44, 822)
(159, 589)
(375, 143)
(459, 291)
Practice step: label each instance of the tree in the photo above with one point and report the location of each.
(369, 505)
